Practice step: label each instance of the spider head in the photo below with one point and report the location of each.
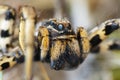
(59, 28)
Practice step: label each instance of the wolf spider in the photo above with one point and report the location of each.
(54, 42)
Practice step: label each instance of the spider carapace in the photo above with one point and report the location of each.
(54, 41)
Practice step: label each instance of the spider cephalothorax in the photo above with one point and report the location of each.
(60, 28)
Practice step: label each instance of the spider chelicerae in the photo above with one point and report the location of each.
(54, 42)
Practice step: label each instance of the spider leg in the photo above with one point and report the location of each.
(44, 42)
(7, 19)
(8, 61)
(56, 57)
(114, 45)
(98, 34)
(108, 45)
(11, 55)
(27, 25)
(73, 56)
(83, 42)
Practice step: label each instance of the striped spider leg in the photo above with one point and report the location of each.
(108, 45)
(7, 19)
(101, 32)
(27, 25)
(9, 51)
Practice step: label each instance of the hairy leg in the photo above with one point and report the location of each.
(101, 32)
(108, 45)
(7, 20)
(14, 57)
(82, 37)
(27, 17)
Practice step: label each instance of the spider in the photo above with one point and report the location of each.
(54, 42)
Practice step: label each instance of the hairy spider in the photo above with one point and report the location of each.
(55, 42)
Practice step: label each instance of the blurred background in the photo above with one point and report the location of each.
(86, 13)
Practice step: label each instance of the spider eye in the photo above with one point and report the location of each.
(60, 27)
(69, 26)
(52, 23)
